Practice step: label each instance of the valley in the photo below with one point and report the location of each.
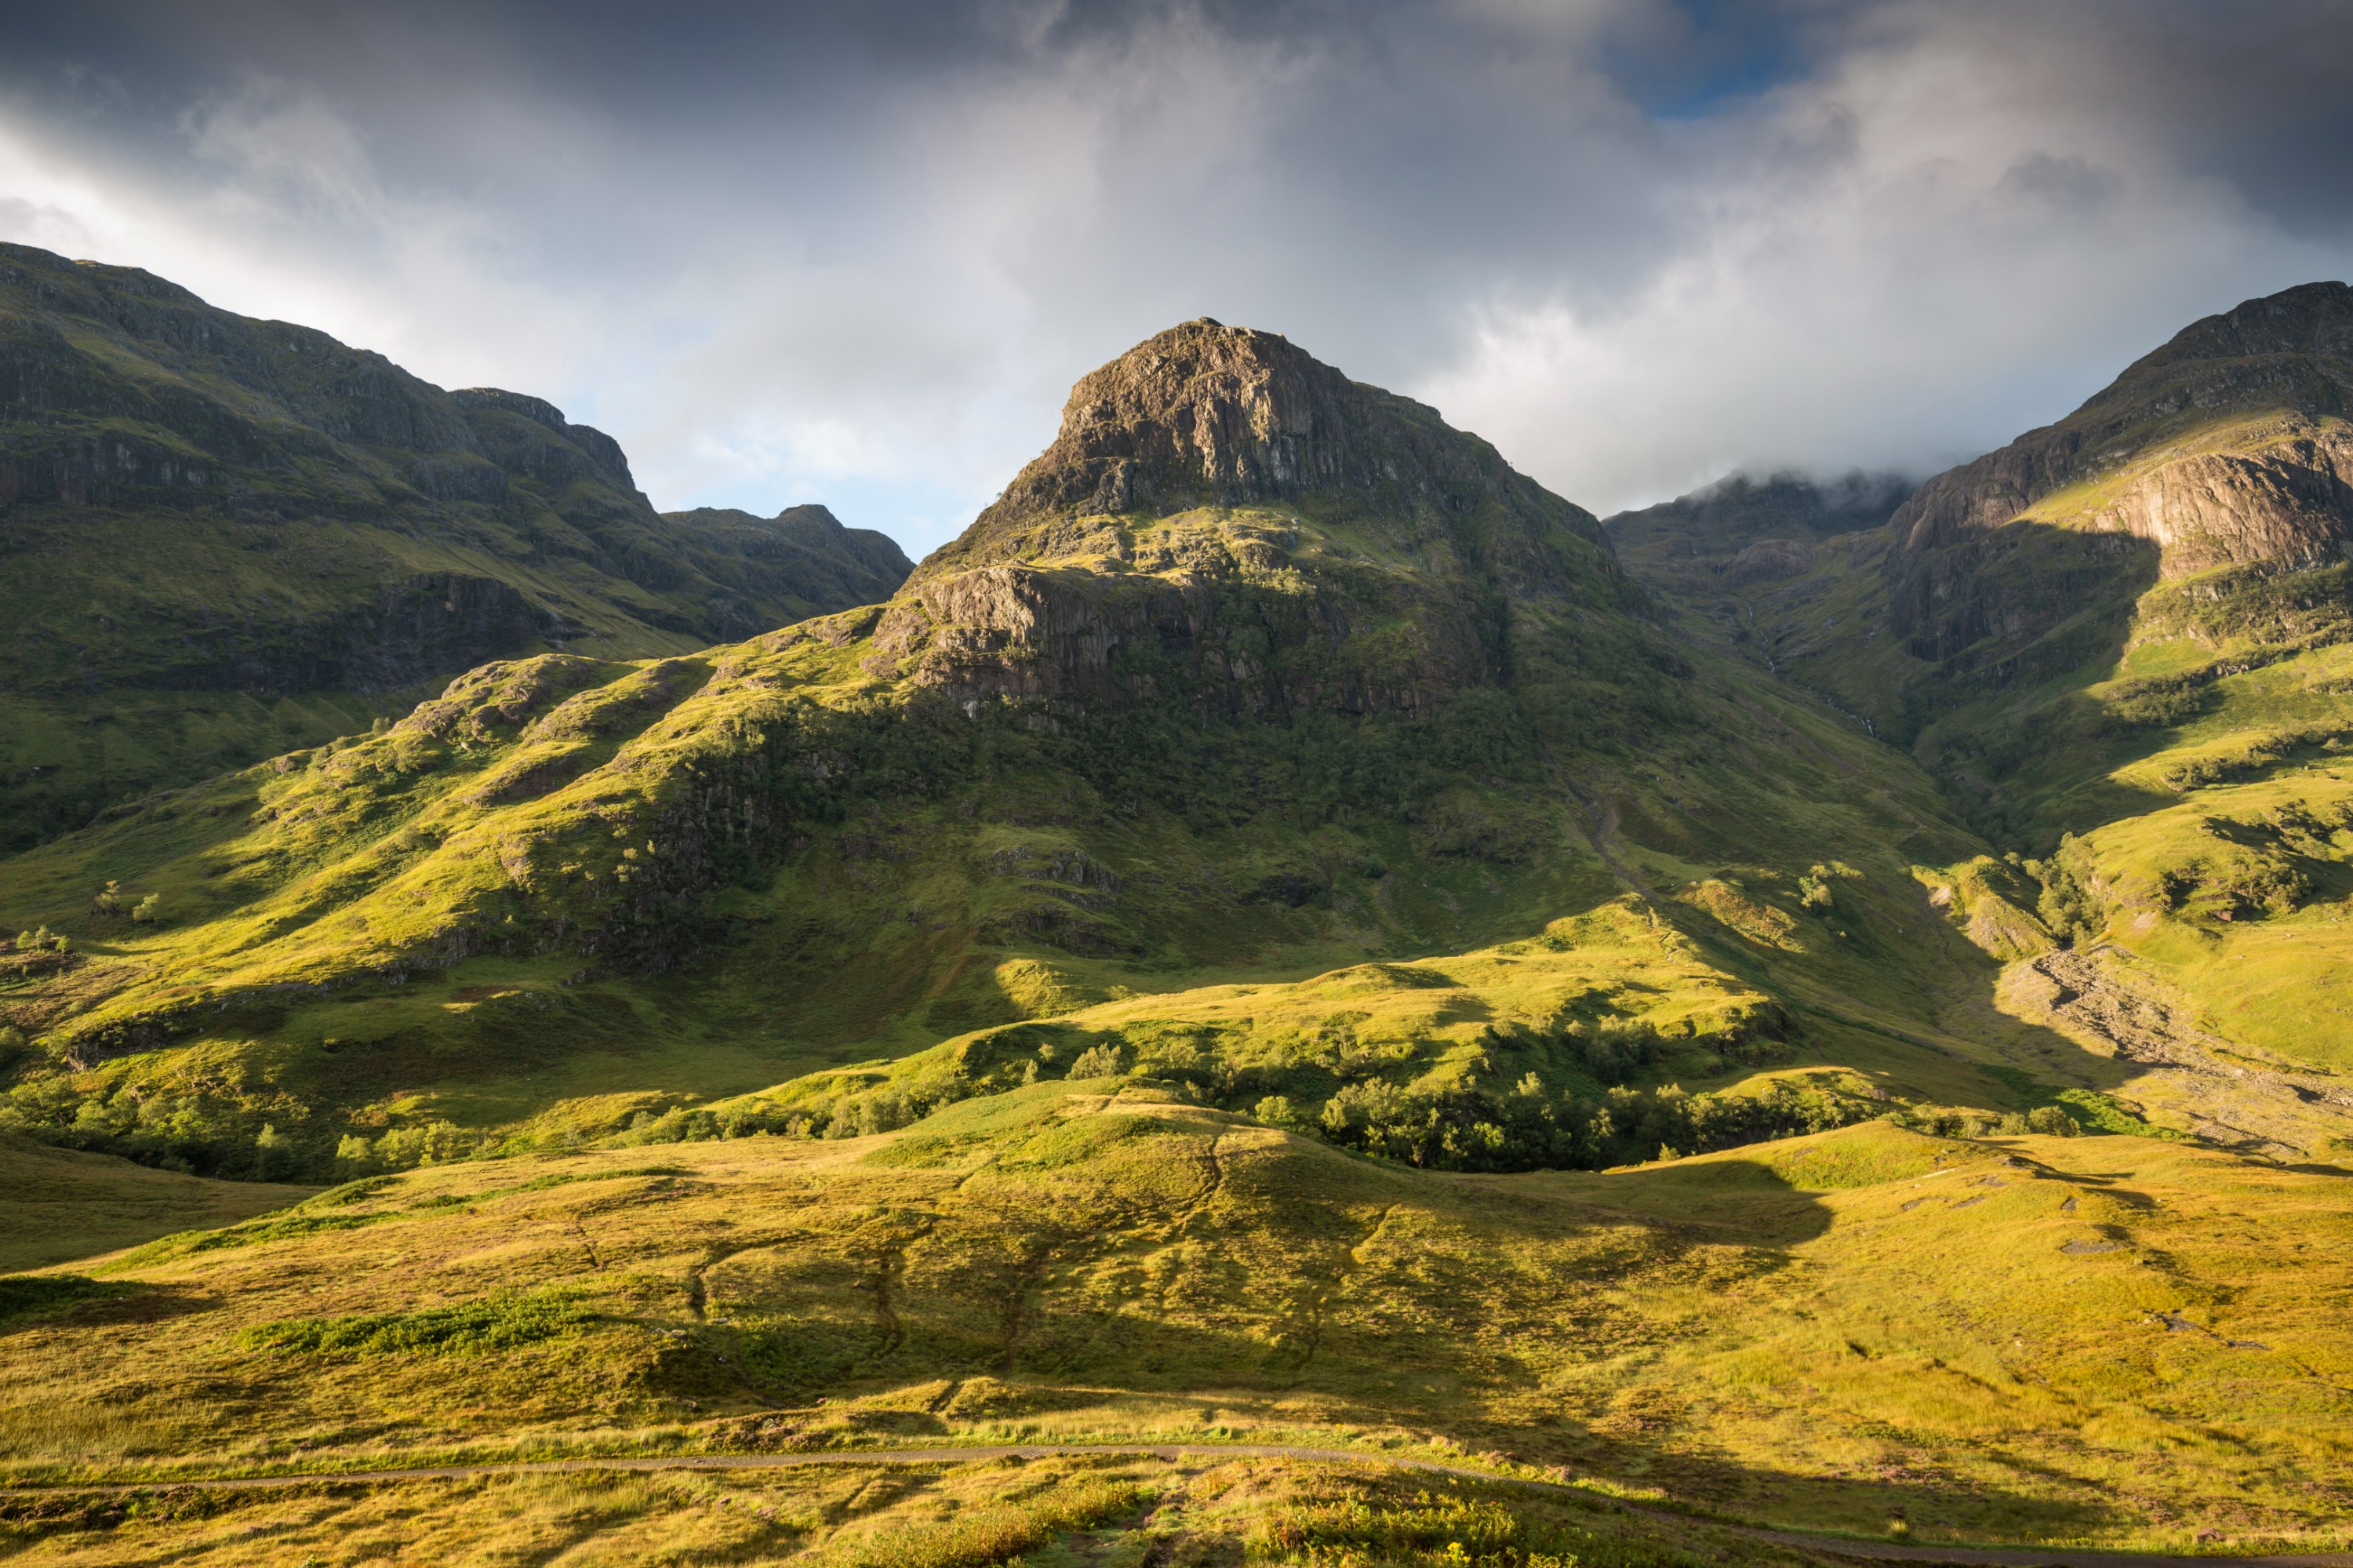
(1815, 1005)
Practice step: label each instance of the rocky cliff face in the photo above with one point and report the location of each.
(2228, 446)
(231, 511)
(1223, 511)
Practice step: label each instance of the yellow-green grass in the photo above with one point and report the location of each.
(1054, 1512)
(1811, 1332)
(380, 934)
(61, 1203)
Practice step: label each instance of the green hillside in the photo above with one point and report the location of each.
(1285, 932)
(225, 538)
(1365, 698)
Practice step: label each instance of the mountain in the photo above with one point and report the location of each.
(1743, 530)
(2119, 644)
(225, 536)
(1341, 766)
(801, 560)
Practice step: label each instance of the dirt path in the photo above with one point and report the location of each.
(1834, 1546)
(2238, 1097)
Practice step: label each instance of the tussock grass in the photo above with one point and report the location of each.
(1810, 1332)
(992, 1531)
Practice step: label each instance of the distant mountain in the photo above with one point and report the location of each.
(225, 536)
(1267, 738)
(802, 559)
(1743, 529)
(2123, 644)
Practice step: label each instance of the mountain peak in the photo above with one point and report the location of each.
(1200, 406)
(1209, 415)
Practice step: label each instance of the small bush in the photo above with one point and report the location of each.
(1097, 1062)
(1276, 1111)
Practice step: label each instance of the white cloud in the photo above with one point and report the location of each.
(1919, 254)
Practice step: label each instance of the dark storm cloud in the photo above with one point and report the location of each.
(856, 252)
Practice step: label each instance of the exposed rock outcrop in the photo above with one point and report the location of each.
(1769, 561)
(1208, 415)
(2289, 353)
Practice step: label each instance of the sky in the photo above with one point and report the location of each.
(856, 253)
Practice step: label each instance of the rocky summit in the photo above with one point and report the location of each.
(1218, 501)
(1820, 1003)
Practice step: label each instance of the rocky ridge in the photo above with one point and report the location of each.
(2227, 447)
(225, 536)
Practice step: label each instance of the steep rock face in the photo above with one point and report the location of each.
(2291, 501)
(2228, 446)
(219, 514)
(1222, 504)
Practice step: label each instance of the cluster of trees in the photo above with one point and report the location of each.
(112, 903)
(207, 1131)
(1530, 1129)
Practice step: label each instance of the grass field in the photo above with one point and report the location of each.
(2105, 1340)
(1054, 1513)
(65, 1205)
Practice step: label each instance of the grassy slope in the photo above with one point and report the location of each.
(2134, 1353)
(976, 871)
(63, 1203)
(2183, 744)
(1061, 1512)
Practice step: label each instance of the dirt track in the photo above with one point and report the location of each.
(1834, 1546)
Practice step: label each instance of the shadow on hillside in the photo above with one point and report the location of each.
(1516, 1314)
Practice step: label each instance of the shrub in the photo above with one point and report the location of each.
(1276, 1111)
(501, 1322)
(2052, 1122)
(1097, 1062)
